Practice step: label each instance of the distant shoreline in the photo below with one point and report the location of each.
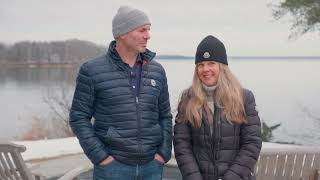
(277, 57)
(177, 57)
(160, 57)
(42, 65)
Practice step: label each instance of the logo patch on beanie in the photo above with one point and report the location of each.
(206, 55)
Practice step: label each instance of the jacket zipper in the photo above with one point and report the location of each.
(217, 140)
(137, 99)
(216, 137)
(212, 154)
(137, 104)
(139, 127)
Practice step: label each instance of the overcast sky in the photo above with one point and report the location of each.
(246, 27)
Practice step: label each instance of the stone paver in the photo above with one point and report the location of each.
(58, 166)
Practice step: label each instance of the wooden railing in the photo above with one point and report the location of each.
(292, 163)
(288, 163)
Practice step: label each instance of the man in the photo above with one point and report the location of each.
(126, 92)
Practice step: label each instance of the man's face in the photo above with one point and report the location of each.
(137, 39)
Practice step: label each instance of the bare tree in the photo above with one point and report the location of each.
(308, 112)
(60, 103)
(57, 125)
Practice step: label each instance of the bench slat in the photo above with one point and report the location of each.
(316, 161)
(2, 167)
(271, 166)
(263, 160)
(5, 167)
(298, 165)
(289, 166)
(12, 169)
(281, 163)
(307, 166)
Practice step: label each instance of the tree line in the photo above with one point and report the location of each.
(68, 51)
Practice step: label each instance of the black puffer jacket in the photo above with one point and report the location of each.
(131, 129)
(230, 153)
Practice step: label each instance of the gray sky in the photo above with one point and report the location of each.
(246, 27)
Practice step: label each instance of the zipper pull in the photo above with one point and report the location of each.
(137, 100)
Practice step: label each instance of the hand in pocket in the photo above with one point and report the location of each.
(106, 161)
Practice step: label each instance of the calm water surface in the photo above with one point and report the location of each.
(282, 89)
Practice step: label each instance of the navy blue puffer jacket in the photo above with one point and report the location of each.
(131, 129)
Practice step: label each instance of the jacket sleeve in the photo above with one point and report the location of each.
(250, 143)
(165, 120)
(183, 152)
(80, 116)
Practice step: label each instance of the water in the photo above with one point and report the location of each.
(283, 90)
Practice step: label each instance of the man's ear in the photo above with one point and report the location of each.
(123, 36)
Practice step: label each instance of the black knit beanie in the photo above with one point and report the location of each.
(211, 49)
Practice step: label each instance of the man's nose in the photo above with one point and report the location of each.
(147, 35)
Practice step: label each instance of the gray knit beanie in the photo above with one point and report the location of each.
(128, 19)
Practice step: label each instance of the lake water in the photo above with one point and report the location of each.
(286, 91)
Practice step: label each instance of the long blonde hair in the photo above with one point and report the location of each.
(228, 96)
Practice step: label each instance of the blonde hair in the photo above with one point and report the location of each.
(228, 96)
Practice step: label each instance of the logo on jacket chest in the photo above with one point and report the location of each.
(153, 82)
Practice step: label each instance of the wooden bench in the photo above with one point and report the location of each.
(12, 165)
(289, 164)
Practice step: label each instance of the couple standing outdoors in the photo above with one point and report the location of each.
(217, 131)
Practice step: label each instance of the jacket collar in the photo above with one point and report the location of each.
(112, 52)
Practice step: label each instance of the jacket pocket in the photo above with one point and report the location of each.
(114, 139)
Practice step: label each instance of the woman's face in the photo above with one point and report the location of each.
(208, 72)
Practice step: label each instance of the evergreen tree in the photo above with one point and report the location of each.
(305, 15)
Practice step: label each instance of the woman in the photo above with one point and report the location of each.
(217, 135)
